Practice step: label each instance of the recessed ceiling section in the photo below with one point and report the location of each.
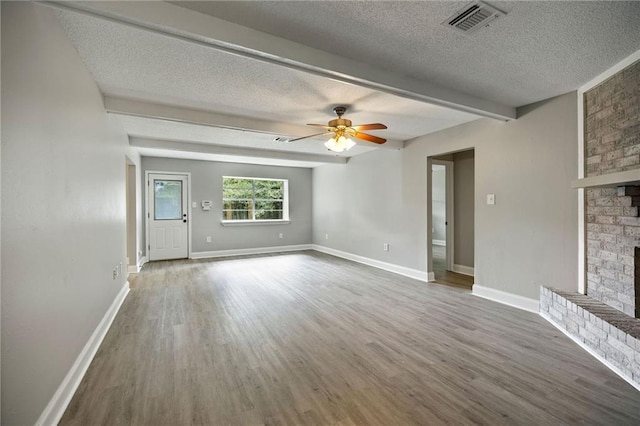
(150, 128)
(273, 65)
(129, 62)
(227, 158)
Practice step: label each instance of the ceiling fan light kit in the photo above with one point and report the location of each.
(339, 144)
(342, 130)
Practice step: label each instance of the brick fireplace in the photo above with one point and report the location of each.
(613, 238)
(612, 146)
(605, 320)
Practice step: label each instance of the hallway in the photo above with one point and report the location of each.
(447, 277)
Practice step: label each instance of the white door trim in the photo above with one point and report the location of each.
(146, 207)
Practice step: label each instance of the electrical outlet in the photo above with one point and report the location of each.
(326, 236)
(491, 199)
(385, 246)
(281, 235)
(115, 273)
(208, 238)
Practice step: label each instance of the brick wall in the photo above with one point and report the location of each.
(612, 144)
(612, 124)
(613, 233)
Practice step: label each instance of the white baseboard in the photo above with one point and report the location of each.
(58, 404)
(401, 270)
(134, 269)
(248, 251)
(591, 352)
(464, 270)
(439, 242)
(521, 302)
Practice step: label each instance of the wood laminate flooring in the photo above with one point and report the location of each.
(309, 339)
(442, 276)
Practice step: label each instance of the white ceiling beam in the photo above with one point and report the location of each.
(178, 22)
(214, 119)
(230, 151)
(200, 117)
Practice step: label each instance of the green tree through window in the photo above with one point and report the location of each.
(254, 199)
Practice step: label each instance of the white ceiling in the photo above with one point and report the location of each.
(537, 51)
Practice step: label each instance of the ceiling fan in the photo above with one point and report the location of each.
(342, 129)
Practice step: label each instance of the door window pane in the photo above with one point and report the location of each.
(168, 199)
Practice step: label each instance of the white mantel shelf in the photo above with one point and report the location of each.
(629, 177)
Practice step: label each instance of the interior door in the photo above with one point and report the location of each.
(167, 214)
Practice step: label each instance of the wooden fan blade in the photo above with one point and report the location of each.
(369, 138)
(372, 126)
(310, 136)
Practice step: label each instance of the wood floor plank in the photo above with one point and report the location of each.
(309, 339)
(442, 275)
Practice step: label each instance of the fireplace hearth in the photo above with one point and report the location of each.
(606, 332)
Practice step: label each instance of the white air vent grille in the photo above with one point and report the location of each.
(473, 17)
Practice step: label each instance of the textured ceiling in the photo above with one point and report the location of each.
(134, 63)
(538, 50)
(184, 132)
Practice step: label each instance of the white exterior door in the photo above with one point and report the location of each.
(167, 215)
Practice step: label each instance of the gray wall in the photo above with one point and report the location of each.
(63, 216)
(439, 202)
(361, 206)
(527, 239)
(206, 184)
(463, 212)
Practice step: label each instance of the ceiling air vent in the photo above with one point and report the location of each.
(472, 17)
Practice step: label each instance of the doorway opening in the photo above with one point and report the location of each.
(451, 219)
(131, 217)
(441, 213)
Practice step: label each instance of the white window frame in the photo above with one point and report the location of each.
(285, 205)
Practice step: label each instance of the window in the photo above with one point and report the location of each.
(168, 199)
(253, 199)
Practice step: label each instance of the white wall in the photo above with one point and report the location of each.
(135, 224)
(206, 184)
(438, 203)
(63, 217)
(527, 239)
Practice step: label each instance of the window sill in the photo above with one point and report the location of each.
(254, 222)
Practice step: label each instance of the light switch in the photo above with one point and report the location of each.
(194, 204)
(491, 199)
